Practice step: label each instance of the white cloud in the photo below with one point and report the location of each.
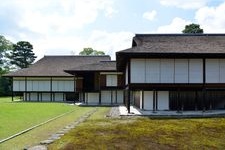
(110, 42)
(212, 19)
(184, 4)
(58, 16)
(176, 26)
(150, 15)
(56, 26)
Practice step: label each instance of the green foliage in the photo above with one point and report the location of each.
(5, 86)
(90, 51)
(193, 28)
(5, 47)
(22, 54)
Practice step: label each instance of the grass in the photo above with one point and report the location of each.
(99, 132)
(17, 116)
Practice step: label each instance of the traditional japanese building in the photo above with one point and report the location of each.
(159, 72)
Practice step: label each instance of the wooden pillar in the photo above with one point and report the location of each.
(86, 99)
(204, 72)
(178, 100)
(154, 105)
(38, 96)
(74, 87)
(203, 100)
(116, 96)
(111, 97)
(142, 99)
(41, 96)
(182, 103)
(128, 100)
(25, 89)
(156, 100)
(12, 89)
(196, 100)
(100, 97)
(51, 89)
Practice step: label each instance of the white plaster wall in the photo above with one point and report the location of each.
(137, 71)
(58, 97)
(222, 71)
(93, 98)
(163, 100)
(60, 85)
(152, 70)
(195, 71)
(16, 85)
(167, 71)
(120, 96)
(106, 97)
(212, 70)
(46, 97)
(181, 70)
(33, 97)
(111, 80)
(148, 100)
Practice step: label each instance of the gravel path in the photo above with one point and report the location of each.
(114, 112)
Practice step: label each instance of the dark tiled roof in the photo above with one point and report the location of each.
(55, 65)
(177, 43)
(99, 66)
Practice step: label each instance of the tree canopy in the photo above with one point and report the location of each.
(5, 47)
(91, 51)
(22, 54)
(193, 28)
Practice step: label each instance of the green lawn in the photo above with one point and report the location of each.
(99, 132)
(17, 116)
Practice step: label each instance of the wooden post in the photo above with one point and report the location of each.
(153, 100)
(25, 89)
(156, 100)
(196, 100)
(51, 89)
(128, 100)
(100, 97)
(204, 99)
(12, 89)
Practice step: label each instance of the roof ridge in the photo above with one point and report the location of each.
(179, 34)
(76, 55)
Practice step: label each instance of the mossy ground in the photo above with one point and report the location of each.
(100, 132)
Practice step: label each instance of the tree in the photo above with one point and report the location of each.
(193, 28)
(22, 54)
(90, 51)
(5, 47)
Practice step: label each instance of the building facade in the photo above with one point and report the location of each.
(174, 72)
(159, 72)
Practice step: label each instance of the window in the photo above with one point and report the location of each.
(111, 80)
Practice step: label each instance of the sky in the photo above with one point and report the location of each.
(65, 27)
